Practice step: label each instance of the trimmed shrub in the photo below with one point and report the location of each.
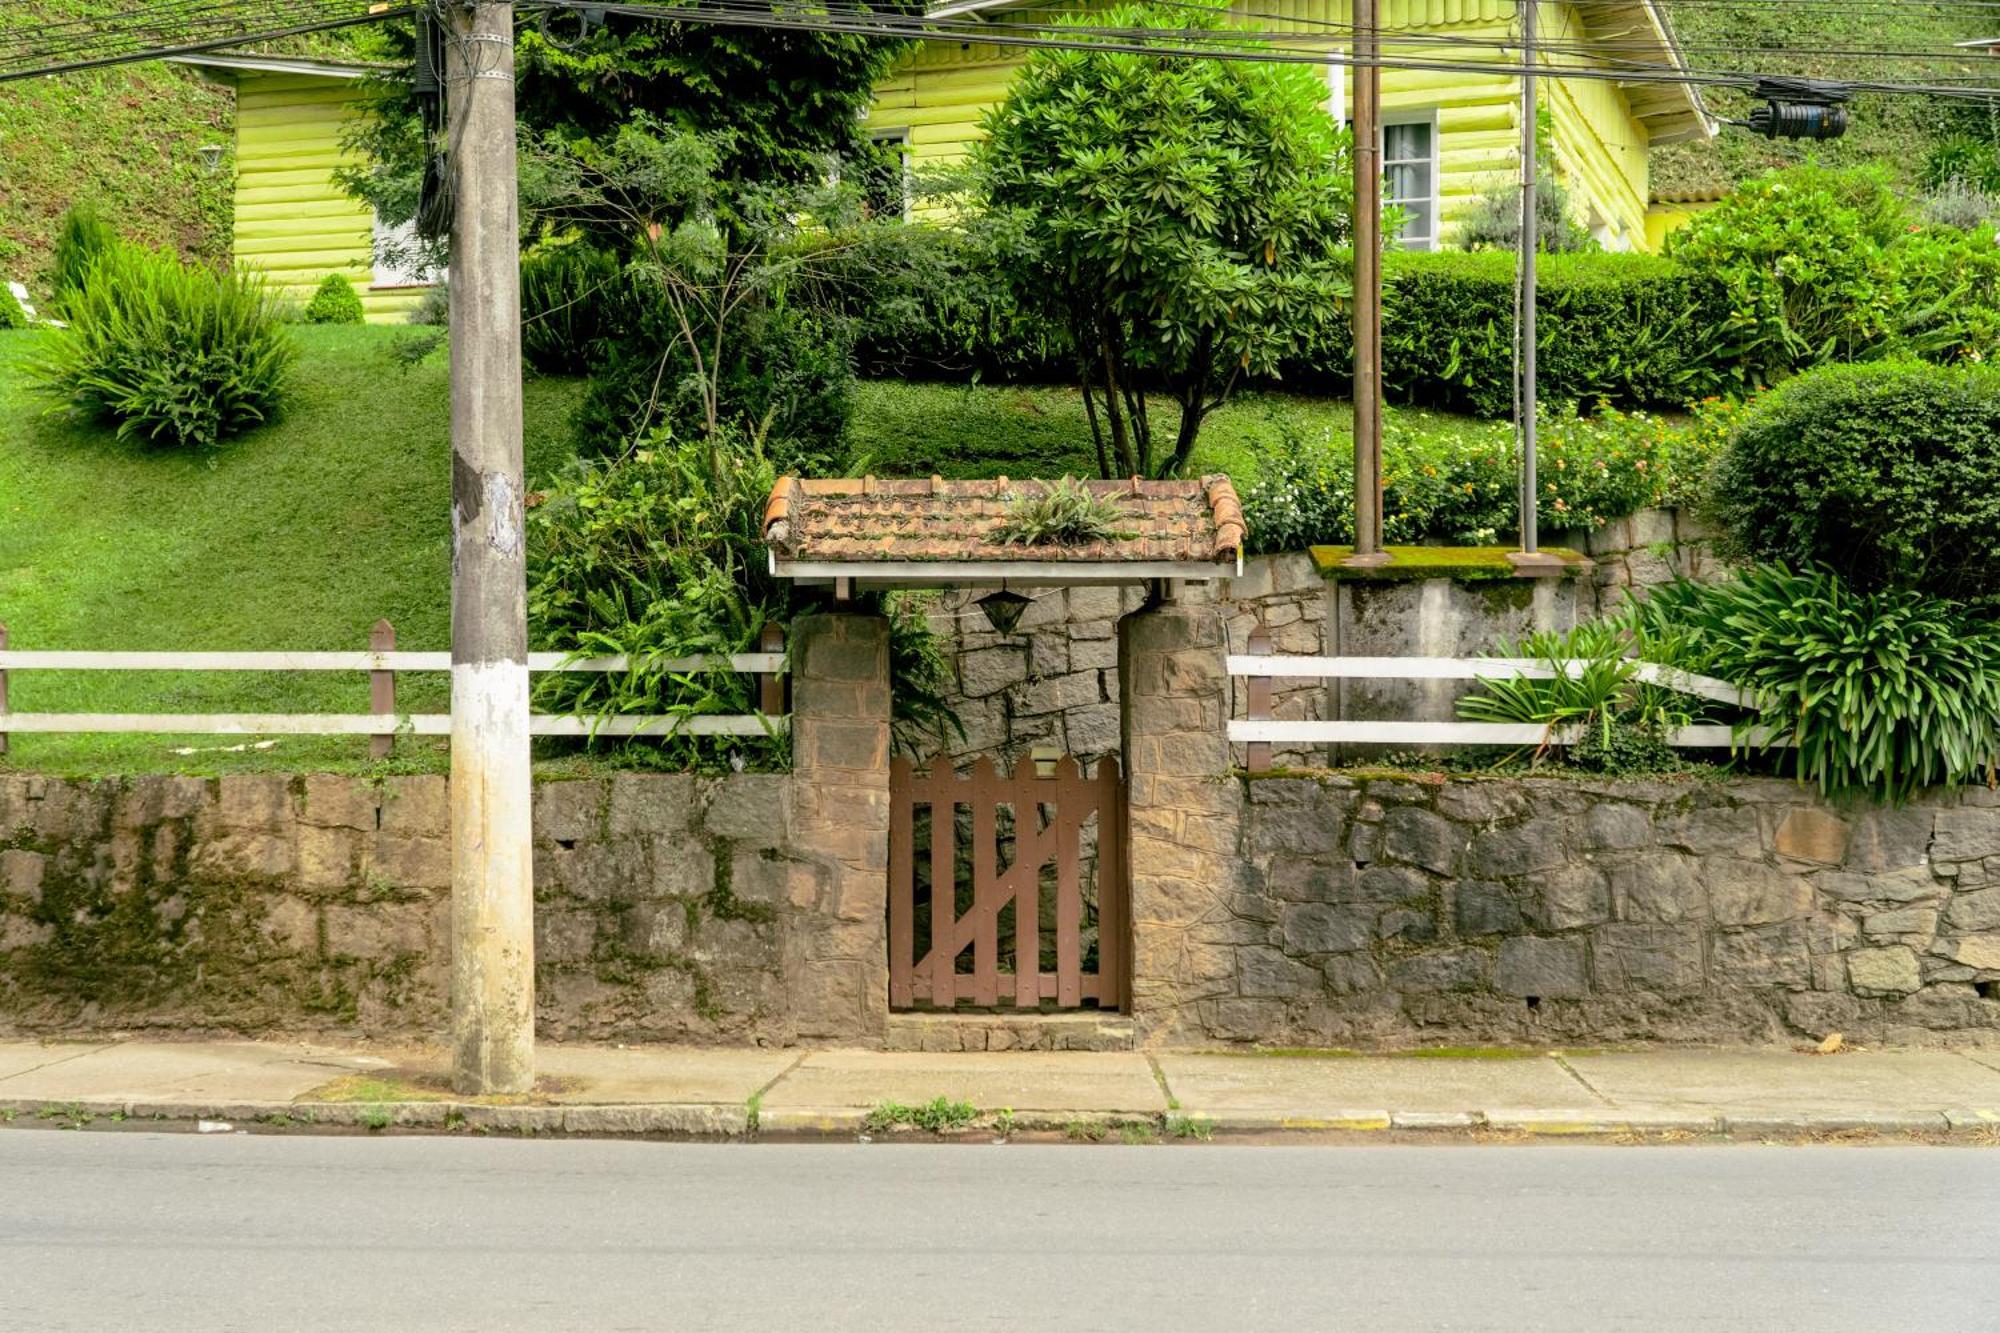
(177, 355)
(571, 302)
(1888, 474)
(82, 238)
(336, 302)
(1627, 329)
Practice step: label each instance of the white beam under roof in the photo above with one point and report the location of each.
(250, 64)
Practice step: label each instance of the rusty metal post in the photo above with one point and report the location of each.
(1367, 284)
(1257, 754)
(770, 685)
(382, 689)
(492, 795)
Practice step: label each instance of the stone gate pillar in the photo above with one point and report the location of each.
(1182, 813)
(837, 964)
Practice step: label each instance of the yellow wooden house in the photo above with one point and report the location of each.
(1448, 135)
(293, 222)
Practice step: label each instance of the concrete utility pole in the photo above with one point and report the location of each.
(1530, 243)
(1367, 286)
(492, 865)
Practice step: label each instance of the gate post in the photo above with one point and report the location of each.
(837, 969)
(1181, 808)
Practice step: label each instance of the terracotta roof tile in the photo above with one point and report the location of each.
(873, 518)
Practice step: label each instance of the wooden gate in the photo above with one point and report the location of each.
(1015, 884)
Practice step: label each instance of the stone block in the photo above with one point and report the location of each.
(1351, 974)
(649, 804)
(1759, 956)
(1980, 951)
(333, 800)
(847, 747)
(377, 932)
(1890, 839)
(1443, 970)
(1472, 801)
(991, 670)
(1522, 849)
(1547, 969)
(675, 868)
(292, 925)
(1570, 895)
(1966, 834)
(1048, 654)
(564, 936)
(755, 809)
(154, 797)
(1265, 973)
(1750, 893)
(1616, 826)
(1978, 909)
(1391, 884)
(1715, 831)
(1099, 604)
(1305, 879)
(1662, 958)
(1415, 835)
(1092, 729)
(1482, 907)
(408, 863)
(760, 876)
(827, 999)
(21, 874)
(1311, 928)
(1890, 926)
(1093, 654)
(1296, 830)
(1892, 970)
(1407, 925)
(1808, 833)
(1657, 886)
(570, 811)
(253, 801)
(330, 857)
(248, 855)
(417, 807)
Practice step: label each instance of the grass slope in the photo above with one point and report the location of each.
(121, 138)
(299, 535)
(1896, 132)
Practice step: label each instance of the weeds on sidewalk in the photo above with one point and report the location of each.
(1190, 1127)
(939, 1115)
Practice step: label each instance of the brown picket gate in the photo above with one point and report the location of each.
(1000, 867)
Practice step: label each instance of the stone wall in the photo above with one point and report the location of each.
(1389, 911)
(1644, 550)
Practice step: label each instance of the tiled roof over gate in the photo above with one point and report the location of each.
(870, 518)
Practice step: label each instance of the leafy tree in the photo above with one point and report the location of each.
(777, 105)
(1181, 218)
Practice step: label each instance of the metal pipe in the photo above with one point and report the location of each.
(1530, 243)
(1367, 281)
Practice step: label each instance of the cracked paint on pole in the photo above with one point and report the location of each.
(492, 856)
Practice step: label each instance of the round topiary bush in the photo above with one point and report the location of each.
(336, 302)
(1888, 474)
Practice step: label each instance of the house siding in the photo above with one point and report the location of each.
(941, 91)
(293, 223)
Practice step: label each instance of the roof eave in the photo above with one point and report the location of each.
(226, 63)
(994, 573)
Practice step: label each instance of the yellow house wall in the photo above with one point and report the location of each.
(293, 223)
(940, 92)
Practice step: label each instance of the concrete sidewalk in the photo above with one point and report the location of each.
(663, 1090)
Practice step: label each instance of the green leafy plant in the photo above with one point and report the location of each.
(82, 238)
(940, 1115)
(1198, 1127)
(334, 302)
(1882, 692)
(1062, 513)
(1888, 474)
(1180, 220)
(570, 306)
(177, 355)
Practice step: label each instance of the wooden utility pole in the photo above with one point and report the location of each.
(492, 866)
(1530, 244)
(1367, 285)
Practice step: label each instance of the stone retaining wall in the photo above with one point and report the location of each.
(1390, 911)
(664, 905)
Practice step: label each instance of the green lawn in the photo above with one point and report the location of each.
(959, 430)
(298, 535)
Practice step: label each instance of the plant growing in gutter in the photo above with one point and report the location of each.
(1063, 513)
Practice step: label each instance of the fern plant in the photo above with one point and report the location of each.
(1062, 513)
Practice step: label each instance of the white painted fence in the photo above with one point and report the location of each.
(1261, 732)
(385, 723)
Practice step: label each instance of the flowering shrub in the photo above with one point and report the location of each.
(1455, 481)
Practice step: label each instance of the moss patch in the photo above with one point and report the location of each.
(1465, 563)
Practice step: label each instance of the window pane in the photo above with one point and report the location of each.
(1406, 143)
(1417, 224)
(1403, 183)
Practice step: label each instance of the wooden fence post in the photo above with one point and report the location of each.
(1257, 754)
(770, 685)
(3, 685)
(382, 688)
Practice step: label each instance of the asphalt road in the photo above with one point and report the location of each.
(166, 1232)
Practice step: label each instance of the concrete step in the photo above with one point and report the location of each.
(1080, 1030)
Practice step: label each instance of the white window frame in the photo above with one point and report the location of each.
(388, 276)
(899, 135)
(1429, 119)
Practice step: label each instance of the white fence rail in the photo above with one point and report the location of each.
(384, 723)
(1260, 732)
